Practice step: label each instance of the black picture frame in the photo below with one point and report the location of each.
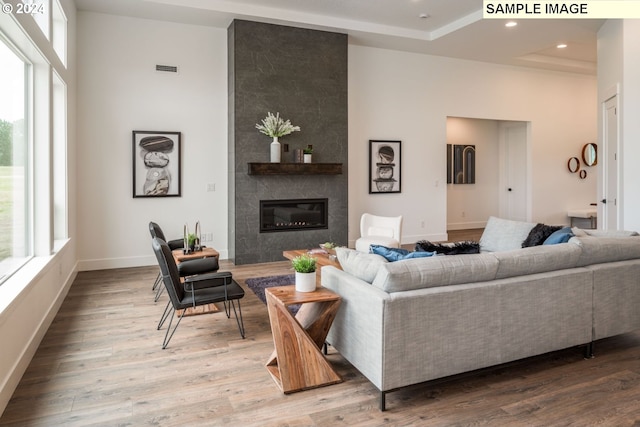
(461, 164)
(385, 166)
(157, 170)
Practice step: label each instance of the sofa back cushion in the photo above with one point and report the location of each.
(598, 250)
(435, 271)
(536, 259)
(359, 264)
(504, 234)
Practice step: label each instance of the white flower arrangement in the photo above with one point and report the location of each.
(275, 126)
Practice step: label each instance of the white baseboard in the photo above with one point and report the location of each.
(466, 225)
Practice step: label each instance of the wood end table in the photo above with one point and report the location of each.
(297, 363)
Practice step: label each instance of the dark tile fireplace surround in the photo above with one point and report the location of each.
(302, 74)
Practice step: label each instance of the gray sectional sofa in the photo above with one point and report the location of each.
(407, 322)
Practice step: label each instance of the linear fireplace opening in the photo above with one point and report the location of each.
(293, 214)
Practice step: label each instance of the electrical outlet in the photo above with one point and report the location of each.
(211, 187)
(422, 224)
(464, 214)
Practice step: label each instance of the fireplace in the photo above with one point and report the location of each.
(293, 214)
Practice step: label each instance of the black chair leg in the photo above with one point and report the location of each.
(165, 314)
(239, 320)
(157, 282)
(167, 336)
(158, 293)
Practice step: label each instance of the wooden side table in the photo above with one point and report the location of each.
(297, 363)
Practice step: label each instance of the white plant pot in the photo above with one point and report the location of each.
(275, 150)
(305, 282)
(307, 158)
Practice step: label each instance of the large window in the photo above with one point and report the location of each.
(15, 240)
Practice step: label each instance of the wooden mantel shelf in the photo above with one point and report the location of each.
(295, 168)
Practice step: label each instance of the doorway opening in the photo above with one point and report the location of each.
(501, 186)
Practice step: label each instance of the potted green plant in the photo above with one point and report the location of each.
(192, 240)
(307, 154)
(305, 268)
(275, 127)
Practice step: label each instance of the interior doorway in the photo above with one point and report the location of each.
(501, 185)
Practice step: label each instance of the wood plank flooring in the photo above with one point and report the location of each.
(101, 364)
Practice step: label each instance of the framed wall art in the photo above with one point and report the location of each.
(385, 165)
(461, 164)
(156, 164)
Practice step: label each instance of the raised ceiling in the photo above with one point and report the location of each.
(453, 28)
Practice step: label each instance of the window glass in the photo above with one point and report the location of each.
(41, 12)
(14, 172)
(59, 31)
(60, 228)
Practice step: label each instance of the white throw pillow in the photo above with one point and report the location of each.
(504, 234)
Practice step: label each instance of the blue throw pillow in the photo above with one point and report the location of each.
(561, 236)
(397, 254)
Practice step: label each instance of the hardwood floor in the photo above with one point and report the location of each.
(101, 364)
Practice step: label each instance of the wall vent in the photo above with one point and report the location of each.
(167, 68)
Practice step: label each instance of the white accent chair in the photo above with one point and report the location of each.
(379, 230)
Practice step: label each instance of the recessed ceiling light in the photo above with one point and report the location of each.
(511, 24)
(561, 46)
(423, 15)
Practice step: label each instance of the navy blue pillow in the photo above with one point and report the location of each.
(397, 254)
(561, 236)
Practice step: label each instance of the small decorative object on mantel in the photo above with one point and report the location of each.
(305, 267)
(275, 127)
(307, 153)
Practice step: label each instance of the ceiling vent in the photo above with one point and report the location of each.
(167, 68)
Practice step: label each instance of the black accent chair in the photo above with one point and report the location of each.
(194, 291)
(185, 268)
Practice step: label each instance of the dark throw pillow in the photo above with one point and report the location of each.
(539, 233)
(467, 247)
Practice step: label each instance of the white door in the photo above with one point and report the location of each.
(513, 181)
(609, 201)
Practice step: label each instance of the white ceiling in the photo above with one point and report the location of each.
(454, 28)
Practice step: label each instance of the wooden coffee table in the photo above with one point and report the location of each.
(297, 363)
(322, 260)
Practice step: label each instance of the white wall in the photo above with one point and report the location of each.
(618, 69)
(392, 95)
(120, 91)
(405, 96)
(470, 205)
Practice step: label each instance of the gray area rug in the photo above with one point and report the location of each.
(259, 284)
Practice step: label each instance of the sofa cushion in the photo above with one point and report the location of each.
(579, 232)
(598, 250)
(359, 264)
(504, 234)
(539, 234)
(560, 236)
(536, 259)
(398, 254)
(435, 271)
